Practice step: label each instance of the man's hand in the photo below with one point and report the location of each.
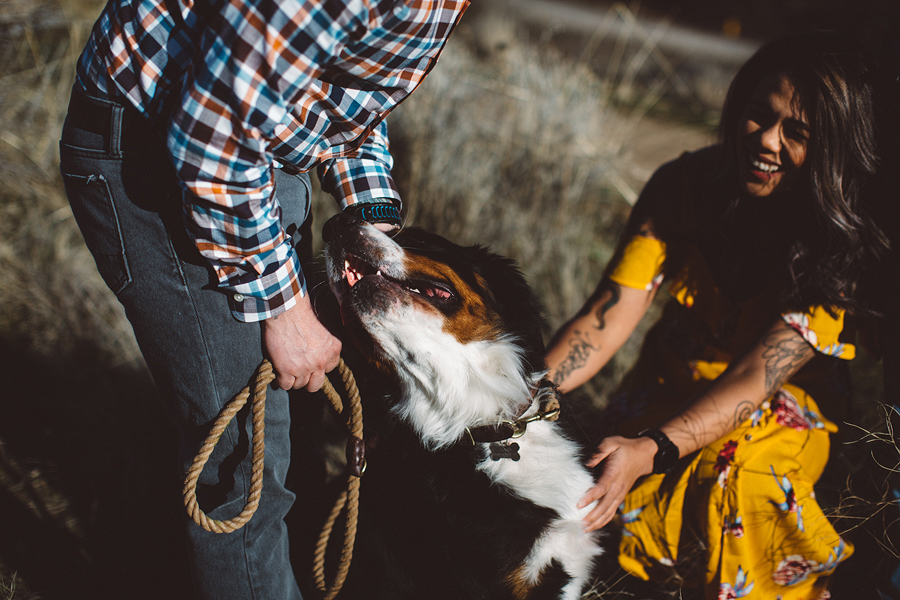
(301, 349)
(626, 459)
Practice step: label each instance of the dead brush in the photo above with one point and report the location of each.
(520, 150)
(52, 293)
(64, 343)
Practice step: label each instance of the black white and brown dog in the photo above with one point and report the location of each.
(471, 491)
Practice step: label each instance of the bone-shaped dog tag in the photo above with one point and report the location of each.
(499, 451)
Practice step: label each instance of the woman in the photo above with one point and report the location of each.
(761, 239)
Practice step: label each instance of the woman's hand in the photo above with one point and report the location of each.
(722, 407)
(625, 460)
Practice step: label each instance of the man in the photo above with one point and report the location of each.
(190, 130)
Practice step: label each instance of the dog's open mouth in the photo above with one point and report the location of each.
(357, 269)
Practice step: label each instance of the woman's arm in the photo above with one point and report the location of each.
(584, 344)
(718, 411)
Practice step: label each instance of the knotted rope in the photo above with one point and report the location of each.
(348, 499)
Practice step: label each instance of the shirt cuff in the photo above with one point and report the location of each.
(358, 180)
(269, 294)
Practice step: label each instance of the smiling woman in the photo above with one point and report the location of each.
(762, 239)
(773, 135)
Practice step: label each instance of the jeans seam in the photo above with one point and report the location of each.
(96, 175)
(308, 185)
(234, 441)
(122, 249)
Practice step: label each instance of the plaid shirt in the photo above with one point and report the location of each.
(237, 84)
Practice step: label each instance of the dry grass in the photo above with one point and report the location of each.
(507, 143)
(11, 587)
(85, 453)
(52, 294)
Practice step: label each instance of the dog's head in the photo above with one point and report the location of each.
(457, 326)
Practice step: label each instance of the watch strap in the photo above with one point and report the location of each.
(667, 453)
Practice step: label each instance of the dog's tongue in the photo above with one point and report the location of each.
(353, 276)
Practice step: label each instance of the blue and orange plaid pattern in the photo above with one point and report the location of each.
(236, 84)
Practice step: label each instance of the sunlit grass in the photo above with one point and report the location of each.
(518, 146)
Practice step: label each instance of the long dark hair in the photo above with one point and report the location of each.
(831, 76)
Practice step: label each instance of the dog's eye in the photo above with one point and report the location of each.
(431, 290)
(438, 293)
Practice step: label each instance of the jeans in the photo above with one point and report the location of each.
(128, 205)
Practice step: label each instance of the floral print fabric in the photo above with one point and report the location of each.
(821, 331)
(739, 517)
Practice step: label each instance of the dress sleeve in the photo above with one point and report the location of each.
(640, 265)
(822, 331)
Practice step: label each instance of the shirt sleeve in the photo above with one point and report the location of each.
(364, 176)
(640, 265)
(822, 331)
(219, 136)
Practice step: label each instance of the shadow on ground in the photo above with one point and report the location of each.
(89, 499)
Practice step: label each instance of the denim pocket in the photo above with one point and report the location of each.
(95, 213)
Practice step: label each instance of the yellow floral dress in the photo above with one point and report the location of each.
(738, 517)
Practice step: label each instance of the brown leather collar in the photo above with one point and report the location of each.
(514, 428)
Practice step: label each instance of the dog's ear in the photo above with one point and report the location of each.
(517, 304)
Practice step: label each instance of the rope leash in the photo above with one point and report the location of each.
(348, 500)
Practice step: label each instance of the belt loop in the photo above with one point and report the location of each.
(115, 130)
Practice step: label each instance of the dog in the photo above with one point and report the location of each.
(471, 489)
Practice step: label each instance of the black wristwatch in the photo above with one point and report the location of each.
(666, 453)
(377, 212)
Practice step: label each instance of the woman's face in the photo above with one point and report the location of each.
(773, 134)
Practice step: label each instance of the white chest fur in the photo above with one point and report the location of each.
(549, 473)
(449, 386)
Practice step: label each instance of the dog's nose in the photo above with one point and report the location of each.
(340, 222)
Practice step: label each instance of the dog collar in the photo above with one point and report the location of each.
(514, 428)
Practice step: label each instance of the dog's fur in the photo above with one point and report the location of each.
(456, 333)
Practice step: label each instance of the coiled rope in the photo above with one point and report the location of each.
(348, 500)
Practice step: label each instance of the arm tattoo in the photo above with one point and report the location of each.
(743, 412)
(600, 313)
(580, 349)
(783, 356)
